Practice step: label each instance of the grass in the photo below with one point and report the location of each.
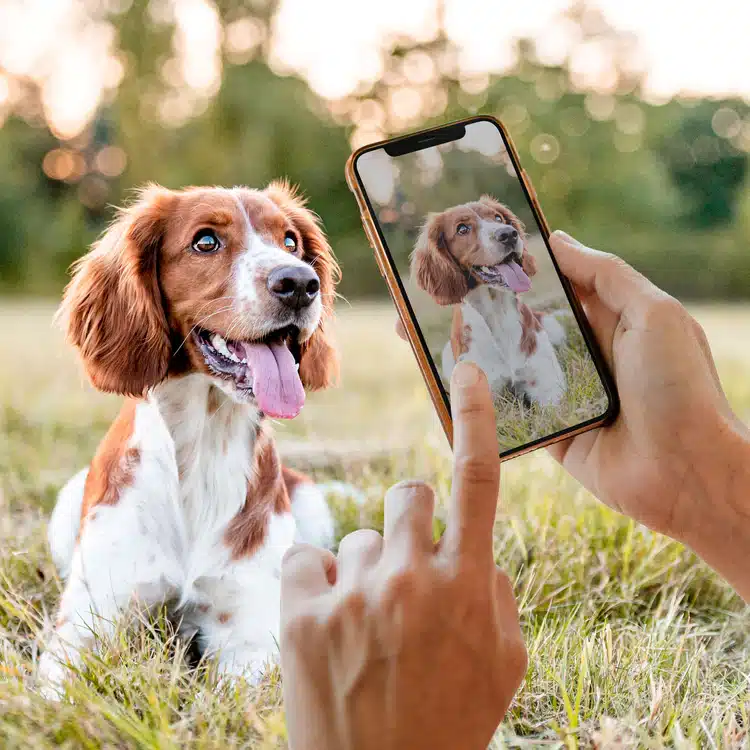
(633, 642)
(584, 398)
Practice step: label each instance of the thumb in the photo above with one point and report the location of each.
(616, 284)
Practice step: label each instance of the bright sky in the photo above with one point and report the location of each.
(701, 49)
(704, 50)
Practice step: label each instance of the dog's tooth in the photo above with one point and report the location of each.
(220, 345)
(296, 366)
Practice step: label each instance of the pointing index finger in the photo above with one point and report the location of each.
(476, 467)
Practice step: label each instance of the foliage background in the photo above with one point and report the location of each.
(663, 184)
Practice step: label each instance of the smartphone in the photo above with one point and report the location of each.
(463, 246)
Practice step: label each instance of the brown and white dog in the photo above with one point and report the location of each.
(474, 256)
(209, 309)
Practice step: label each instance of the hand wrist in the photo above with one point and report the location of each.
(717, 493)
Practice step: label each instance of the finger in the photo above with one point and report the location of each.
(476, 467)
(604, 324)
(306, 572)
(619, 286)
(358, 553)
(400, 330)
(407, 525)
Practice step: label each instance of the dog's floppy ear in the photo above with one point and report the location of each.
(433, 268)
(319, 360)
(528, 262)
(112, 309)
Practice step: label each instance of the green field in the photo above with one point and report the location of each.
(632, 641)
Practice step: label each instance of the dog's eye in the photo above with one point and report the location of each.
(500, 218)
(206, 241)
(463, 229)
(290, 242)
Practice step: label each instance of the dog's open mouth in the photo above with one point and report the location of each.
(509, 273)
(266, 369)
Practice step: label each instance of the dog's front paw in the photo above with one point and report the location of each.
(51, 677)
(312, 516)
(251, 665)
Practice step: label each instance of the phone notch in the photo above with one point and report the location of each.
(427, 139)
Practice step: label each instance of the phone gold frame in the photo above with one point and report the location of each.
(390, 275)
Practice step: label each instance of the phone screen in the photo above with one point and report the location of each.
(465, 241)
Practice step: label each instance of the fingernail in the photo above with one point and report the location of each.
(565, 236)
(466, 375)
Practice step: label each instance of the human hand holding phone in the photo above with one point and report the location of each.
(399, 642)
(676, 458)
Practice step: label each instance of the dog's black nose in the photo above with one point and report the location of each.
(295, 286)
(506, 235)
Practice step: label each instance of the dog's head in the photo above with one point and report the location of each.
(235, 284)
(475, 243)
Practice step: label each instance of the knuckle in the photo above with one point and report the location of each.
(479, 470)
(351, 609)
(354, 603)
(296, 558)
(297, 629)
(359, 538)
(292, 552)
(470, 406)
(614, 263)
(399, 587)
(664, 308)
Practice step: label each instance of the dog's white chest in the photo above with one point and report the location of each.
(495, 329)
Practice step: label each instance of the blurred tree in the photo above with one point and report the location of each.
(622, 172)
(599, 155)
(707, 169)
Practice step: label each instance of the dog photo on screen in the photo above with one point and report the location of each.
(473, 256)
(482, 283)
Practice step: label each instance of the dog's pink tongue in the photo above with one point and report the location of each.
(276, 384)
(514, 276)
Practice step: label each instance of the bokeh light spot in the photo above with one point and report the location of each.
(545, 148)
(600, 106)
(111, 161)
(63, 164)
(726, 123)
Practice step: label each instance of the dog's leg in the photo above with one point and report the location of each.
(309, 508)
(448, 362)
(65, 523)
(240, 626)
(242, 631)
(116, 563)
(554, 328)
(543, 379)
